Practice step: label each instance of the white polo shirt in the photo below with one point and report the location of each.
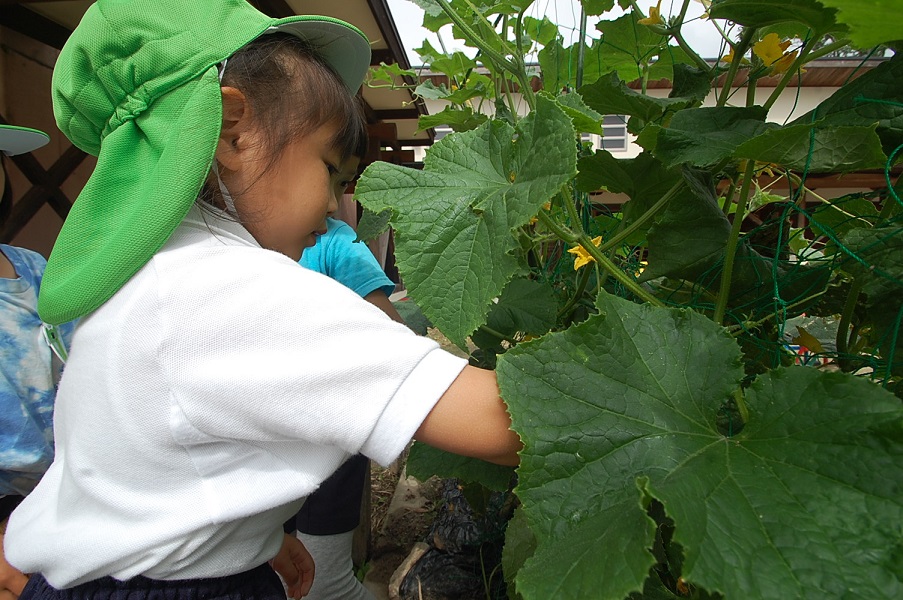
(218, 387)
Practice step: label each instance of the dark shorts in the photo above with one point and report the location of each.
(336, 505)
(8, 504)
(261, 583)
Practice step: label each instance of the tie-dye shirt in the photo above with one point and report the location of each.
(28, 376)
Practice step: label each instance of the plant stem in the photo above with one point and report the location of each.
(582, 281)
(474, 38)
(497, 334)
(581, 49)
(674, 30)
(644, 218)
(844, 332)
(790, 73)
(730, 249)
(569, 236)
(731, 189)
(739, 51)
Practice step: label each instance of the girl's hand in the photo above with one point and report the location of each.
(295, 565)
(11, 580)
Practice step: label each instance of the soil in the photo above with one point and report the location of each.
(395, 532)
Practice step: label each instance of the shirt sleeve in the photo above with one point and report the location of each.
(257, 349)
(350, 263)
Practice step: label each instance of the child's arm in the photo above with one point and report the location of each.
(472, 420)
(379, 299)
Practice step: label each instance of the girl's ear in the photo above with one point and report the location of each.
(233, 137)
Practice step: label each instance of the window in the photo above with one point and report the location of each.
(614, 128)
(441, 132)
(615, 137)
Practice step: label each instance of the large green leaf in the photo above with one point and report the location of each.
(453, 219)
(688, 239)
(702, 137)
(425, 461)
(597, 7)
(876, 257)
(606, 557)
(520, 543)
(761, 13)
(806, 501)
(628, 46)
(871, 22)
(869, 99)
(584, 118)
(816, 149)
(611, 96)
(559, 64)
(526, 306)
(459, 119)
(643, 179)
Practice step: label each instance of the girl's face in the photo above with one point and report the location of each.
(285, 206)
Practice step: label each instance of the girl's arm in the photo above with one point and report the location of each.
(472, 420)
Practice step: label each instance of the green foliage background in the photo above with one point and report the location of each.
(670, 447)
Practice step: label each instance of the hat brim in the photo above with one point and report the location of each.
(146, 179)
(19, 140)
(344, 47)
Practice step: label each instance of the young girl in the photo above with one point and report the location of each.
(212, 383)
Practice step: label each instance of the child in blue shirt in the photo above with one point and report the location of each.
(29, 371)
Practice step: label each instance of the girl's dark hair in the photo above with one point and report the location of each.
(293, 92)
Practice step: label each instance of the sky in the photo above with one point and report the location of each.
(699, 33)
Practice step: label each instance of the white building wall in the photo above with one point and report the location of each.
(792, 103)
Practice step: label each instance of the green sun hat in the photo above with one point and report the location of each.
(19, 140)
(137, 86)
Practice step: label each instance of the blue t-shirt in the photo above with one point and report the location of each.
(28, 376)
(352, 264)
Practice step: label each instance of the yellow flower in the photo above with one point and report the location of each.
(655, 15)
(783, 63)
(770, 49)
(729, 58)
(547, 206)
(583, 257)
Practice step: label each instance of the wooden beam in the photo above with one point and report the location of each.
(12, 2)
(383, 16)
(396, 114)
(48, 189)
(416, 142)
(378, 56)
(29, 23)
(380, 10)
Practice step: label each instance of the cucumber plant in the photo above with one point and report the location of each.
(672, 448)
